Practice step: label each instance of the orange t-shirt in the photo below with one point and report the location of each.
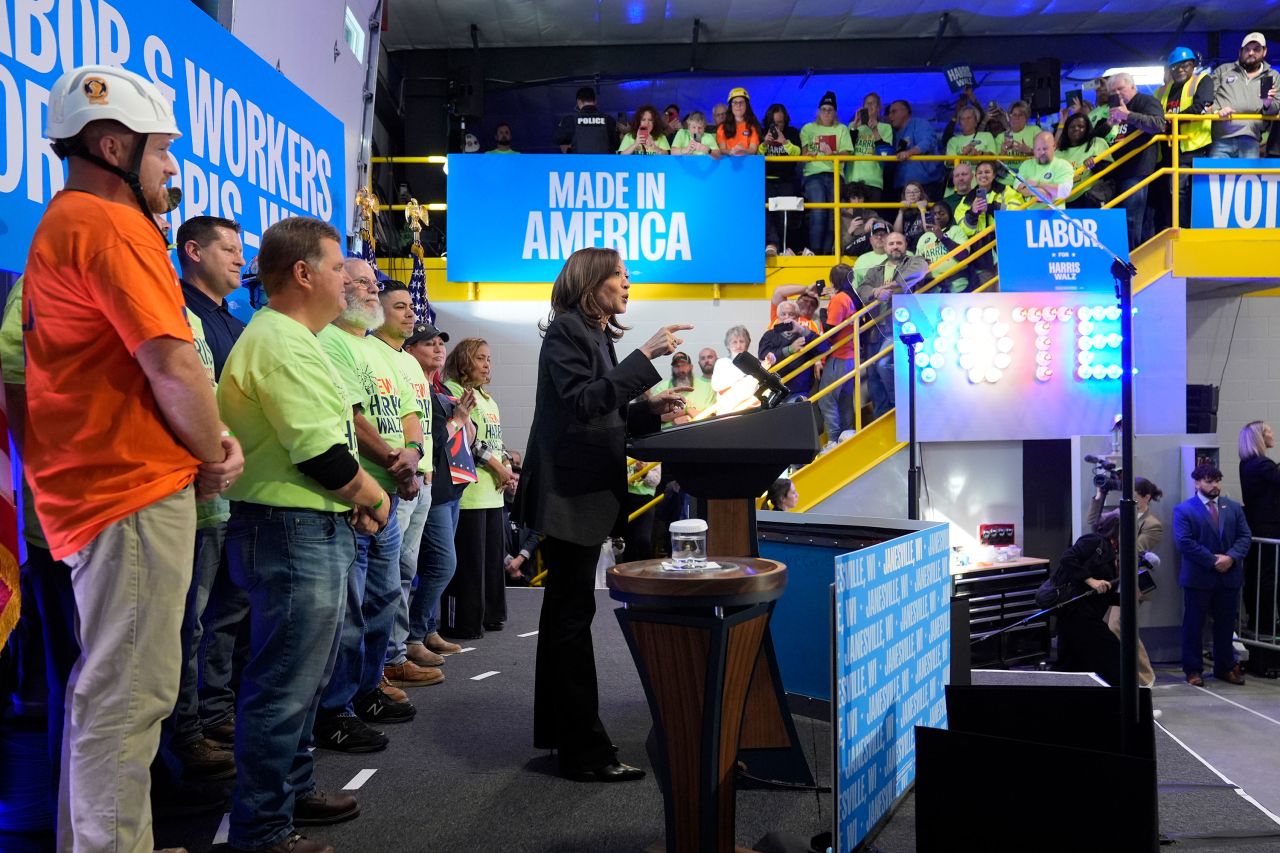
(99, 284)
(745, 137)
(838, 309)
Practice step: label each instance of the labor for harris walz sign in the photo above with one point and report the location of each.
(1235, 201)
(1042, 250)
(672, 219)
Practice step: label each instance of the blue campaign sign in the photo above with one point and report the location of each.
(893, 654)
(673, 219)
(1039, 250)
(255, 148)
(1235, 201)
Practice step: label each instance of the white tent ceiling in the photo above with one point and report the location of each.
(428, 24)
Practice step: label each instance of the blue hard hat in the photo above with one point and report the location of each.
(1181, 54)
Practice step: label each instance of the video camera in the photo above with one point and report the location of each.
(1105, 473)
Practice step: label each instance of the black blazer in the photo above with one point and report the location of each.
(575, 468)
(1260, 493)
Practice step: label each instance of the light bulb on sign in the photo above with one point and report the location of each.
(1114, 339)
(1042, 328)
(1043, 343)
(1113, 312)
(942, 344)
(1000, 330)
(1084, 371)
(938, 361)
(922, 359)
(1085, 327)
(928, 374)
(967, 362)
(1099, 341)
(902, 315)
(1043, 358)
(948, 314)
(1085, 313)
(1115, 371)
(1043, 373)
(1085, 342)
(1034, 315)
(1065, 312)
(908, 328)
(1005, 345)
(1019, 314)
(994, 374)
(990, 315)
(1002, 361)
(1051, 313)
(973, 315)
(1086, 357)
(976, 376)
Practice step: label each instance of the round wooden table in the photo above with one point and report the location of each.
(696, 640)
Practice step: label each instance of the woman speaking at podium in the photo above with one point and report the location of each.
(573, 489)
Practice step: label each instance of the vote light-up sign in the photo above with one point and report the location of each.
(1038, 365)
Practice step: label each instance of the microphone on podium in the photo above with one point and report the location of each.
(771, 391)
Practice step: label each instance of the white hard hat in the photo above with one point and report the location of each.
(97, 92)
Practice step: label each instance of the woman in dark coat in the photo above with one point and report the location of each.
(573, 488)
(1260, 494)
(1085, 643)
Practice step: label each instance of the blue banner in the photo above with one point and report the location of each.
(1235, 201)
(893, 654)
(1039, 250)
(673, 219)
(255, 148)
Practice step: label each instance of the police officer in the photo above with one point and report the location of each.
(587, 131)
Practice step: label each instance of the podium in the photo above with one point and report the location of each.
(695, 638)
(726, 463)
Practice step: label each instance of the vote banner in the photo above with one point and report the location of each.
(255, 148)
(893, 654)
(1040, 250)
(673, 219)
(1235, 201)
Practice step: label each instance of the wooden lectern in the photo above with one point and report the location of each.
(695, 638)
(726, 463)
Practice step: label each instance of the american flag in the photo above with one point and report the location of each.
(366, 249)
(418, 291)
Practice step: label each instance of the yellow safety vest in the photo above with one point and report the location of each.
(1197, 134)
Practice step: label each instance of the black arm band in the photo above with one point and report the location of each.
(332, 469)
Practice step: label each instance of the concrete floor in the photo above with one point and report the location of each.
(1235, 730)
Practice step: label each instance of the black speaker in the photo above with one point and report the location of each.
(466, 91)
(1202, 422)
(1202, 398)
(1041, 81)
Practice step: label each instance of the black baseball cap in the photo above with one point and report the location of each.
(425, 332)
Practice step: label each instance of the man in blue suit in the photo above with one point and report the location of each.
(1213, 539)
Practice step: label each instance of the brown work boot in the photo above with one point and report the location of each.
(409, 674)
(319, 808)
(423, 656)
(223, 733)
(440, 645)
(295, 843)
(395, 694)
(204, 759)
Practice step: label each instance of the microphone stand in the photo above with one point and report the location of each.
(1123, 271)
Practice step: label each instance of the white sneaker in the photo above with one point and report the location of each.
(1156, 713)
(788, 253)
(771, 251)
(845, 436)
(808, 253)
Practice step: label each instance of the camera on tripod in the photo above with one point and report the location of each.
(1105, 474)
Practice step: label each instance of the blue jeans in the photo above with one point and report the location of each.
(225, 617)
(880, 382)
(412, 518)
(373, 587)
(1220, 604)
(1135, 209)
(437, 561)
(293, 564)
(1234, 146)
(818, 189)
(837, 407)
(186, 725)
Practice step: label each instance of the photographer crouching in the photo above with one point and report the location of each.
(1090, 565)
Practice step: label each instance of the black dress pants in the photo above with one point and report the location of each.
(1086, 644)
(566, 701)
(477, 594)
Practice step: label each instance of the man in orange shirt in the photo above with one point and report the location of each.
(837, 406)
(122, 438)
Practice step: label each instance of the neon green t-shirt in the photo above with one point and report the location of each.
(981, 141)
(374, 383)
(701, 398)
(484, 492)
(814, 135)
(500, 151)
(639, 487)
(416, 380)
(684, 137)
(1057, 171)
(217, 510)
(1076, 157)
(865, 262)
(932, 248)
(864, 141)
(13, 359)
(284, 400)
(1027, 136)
(629, 140)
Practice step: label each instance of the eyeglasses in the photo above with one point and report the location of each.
(365, 282)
